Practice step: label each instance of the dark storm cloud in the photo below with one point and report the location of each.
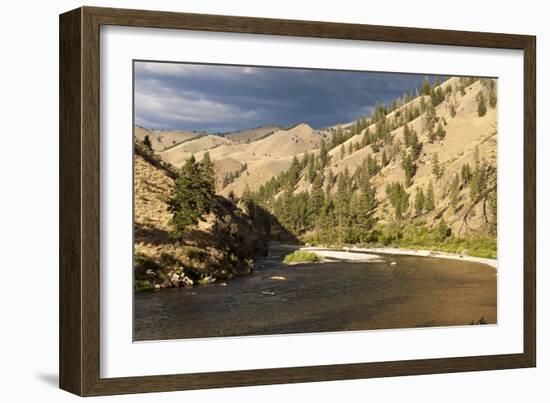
(226, 98)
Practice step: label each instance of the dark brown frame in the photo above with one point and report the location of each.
(79, 200)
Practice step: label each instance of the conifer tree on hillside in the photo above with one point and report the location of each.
(492, 94)
(342, 204)
(454, 194)
(416, 146)
(366, 138)
(147, 142)
(409, 167)
(437, 170)
(311, 171)
(466, 173)
(385, 160)
(362, 210)
(406, 135)
(398, 197)
(323, 154)
(481, 107)
(429, 204)
(192, 196)
(492, 203)
(440, 132)
(426, 88)
(419, 201)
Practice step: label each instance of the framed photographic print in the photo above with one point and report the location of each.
(249, 201)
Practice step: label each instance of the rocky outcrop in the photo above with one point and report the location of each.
(223, 245)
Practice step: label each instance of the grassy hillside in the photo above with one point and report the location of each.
(163, 139)
(421, 173)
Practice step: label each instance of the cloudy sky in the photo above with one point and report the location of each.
(217, 98)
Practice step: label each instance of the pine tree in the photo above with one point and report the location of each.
(443, 230)
(398, 197)
(342, 152)
(466, 173)
(343, 194)
(192, 196)
(147, 142)
(409, 167)
(311, 171)
(385, 160)
(492, 94)
(406, 135)
(366, 138)
(416, 146)
(419, 201)
(478, 182)
(338, 137)
(426, 88)
(323, 154)
(455, 192)
(440, 133)
(362, 210)
(481, 107)
(437, 170)
(492, 201)
(429, 205)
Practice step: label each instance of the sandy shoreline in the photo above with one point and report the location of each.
(348, 254)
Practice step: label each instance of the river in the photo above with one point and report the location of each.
(397, 292)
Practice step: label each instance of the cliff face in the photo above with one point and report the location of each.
(222, 245)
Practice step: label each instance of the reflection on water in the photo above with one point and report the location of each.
(336, 296)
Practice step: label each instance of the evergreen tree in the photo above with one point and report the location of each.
(492, 94)
(453, 111)
(481, 107)
(426, 88)
(362, 210)
(455, 192)
(440, 133)
(416, 146)
(342, 152)
(323, 154)
(419, 201)
(147, 142)
(466, 173)
(406, 135)
(192, 196)
(342, 204)
(443, 231)
(385, 160)
(398, 197)
(437, 170)
(350, 148)
(371, 165)
(492, 202)
(429, 204)
(366, 138)
(409, 167)
(338, 137)
(478, 182)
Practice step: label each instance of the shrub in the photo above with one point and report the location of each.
(302, 257)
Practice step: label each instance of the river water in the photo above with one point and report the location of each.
(323, 297)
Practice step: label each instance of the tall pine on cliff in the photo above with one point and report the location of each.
(192, 195)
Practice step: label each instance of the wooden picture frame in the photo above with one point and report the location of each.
(79, 346)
